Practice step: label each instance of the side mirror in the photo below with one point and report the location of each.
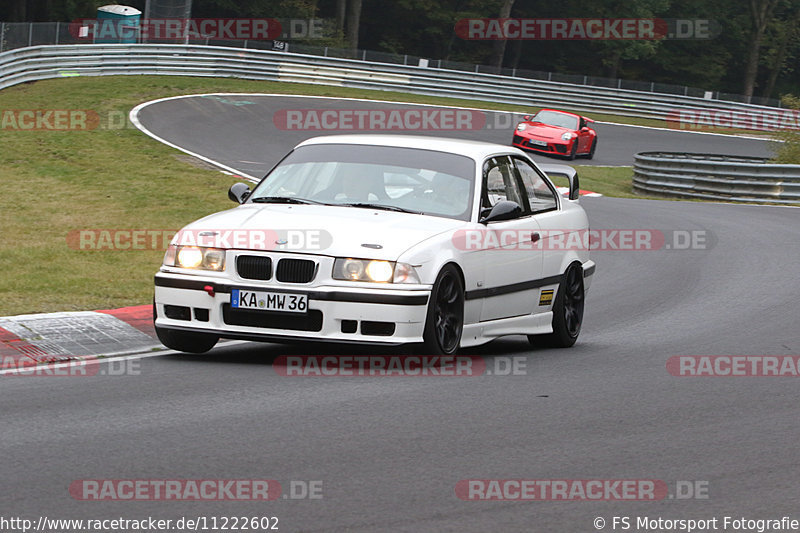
(526, 118)
(585, 129)
(574, 187)
(503, 210)
(239, 192)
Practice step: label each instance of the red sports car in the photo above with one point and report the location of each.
(556, 132)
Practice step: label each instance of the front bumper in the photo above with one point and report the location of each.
(551, 147)
(381, 315)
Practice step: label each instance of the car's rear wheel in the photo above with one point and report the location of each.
(591, 151)
(445, 320)
(184, 341)
(567, 311)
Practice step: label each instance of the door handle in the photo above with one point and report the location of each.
(535, 237)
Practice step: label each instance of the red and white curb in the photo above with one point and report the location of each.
(590, 194)
(27, 340)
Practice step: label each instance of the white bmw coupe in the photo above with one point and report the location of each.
(385, 240)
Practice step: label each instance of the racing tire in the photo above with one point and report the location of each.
(184, 341)
(444, 323)
(574, 151)
(567, 311)
(591, 151)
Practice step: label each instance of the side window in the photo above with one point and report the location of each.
(540, 196)
(499, 183)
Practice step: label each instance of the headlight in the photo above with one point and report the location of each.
(381, 271)
(195, 257)
(521, 126)
(349, 269)
(568, 135)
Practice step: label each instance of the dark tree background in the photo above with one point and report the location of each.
(755, 52)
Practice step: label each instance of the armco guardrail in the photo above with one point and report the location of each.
(24, 34)
(49, 61)
(716, 177)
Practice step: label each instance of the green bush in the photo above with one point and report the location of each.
(789, 150)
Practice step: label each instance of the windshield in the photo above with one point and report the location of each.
(554, 118)
(401, 179)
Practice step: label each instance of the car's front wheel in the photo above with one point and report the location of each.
(574, 151)
(591, 151)
(567, 311)
(445, 320)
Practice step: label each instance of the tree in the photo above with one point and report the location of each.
(341, 10)
(353, 23)
(788, 152)
(611, 53)
(499, 47)
(761, 15)
(780, 44)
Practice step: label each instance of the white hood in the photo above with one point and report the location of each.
(324, 230)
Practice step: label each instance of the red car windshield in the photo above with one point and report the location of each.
(553, 118)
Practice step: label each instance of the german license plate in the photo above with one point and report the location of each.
(269, 301)
(538, 143)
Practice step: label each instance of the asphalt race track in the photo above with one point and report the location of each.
(390, 451)
(253, 142)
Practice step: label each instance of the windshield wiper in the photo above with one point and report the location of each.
(284, 200)
(383, 207)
